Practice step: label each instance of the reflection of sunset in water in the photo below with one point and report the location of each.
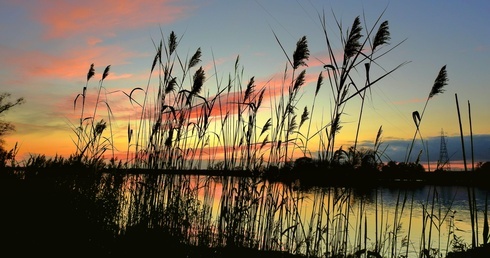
(273, 216)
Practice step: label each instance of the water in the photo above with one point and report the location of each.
(393, 222)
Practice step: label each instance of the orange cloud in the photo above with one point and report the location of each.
(65, 18)
(67, 65)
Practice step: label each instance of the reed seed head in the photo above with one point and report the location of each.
(266, 127)
(237, 62)
(382, 36)
(91, 72)
(171, 85)
(250, 88)
(195, 59)
(319, 83)
(199, 78)
(130, 133)
(99, 128)
(172, 43)
(293, 125)
(416, 118)
(352, 46)
(106, 72)
(304, 116)
(378, 136)
(301, 54)
(300, 80)
(439, 83)
(261, 98)
(157, 56)
(335, 126)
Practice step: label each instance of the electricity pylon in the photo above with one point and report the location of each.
(443, 162)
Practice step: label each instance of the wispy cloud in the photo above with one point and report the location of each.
(73, 35)
(66, 18)
(67, 65)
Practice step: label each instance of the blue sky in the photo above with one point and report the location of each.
(47, 48)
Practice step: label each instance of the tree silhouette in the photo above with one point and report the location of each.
(6, 127)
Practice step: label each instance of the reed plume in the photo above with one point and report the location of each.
(439, 83)
(172, 43)
(199, 78)
(106, 72)
(91, 72)
(353, 46)
(382, 36)
(304, 117)
(195, 59)
(171, 85)
(157, 57)
(300, 80)
(301, 54)
(339, 72)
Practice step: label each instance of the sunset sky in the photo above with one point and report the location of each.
(47, 48)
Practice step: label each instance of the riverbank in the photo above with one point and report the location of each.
(315, 177)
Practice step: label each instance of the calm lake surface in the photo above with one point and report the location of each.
(393, 221)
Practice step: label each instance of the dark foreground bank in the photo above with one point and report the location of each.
(40, 215)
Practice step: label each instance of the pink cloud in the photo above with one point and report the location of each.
(69, 65)
(65, 18)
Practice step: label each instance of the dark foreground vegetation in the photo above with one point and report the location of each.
(59, 214)
(42, 216)
(81, 211)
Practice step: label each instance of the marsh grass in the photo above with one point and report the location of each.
(470, 190)
(339, 72)
(183, 121)
(91, 140)
(123, 213)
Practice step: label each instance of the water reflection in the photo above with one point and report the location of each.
(245, 212)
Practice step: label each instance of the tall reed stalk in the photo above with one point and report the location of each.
(339, 72)
(471, 138)
(285, 109)
(471, 191)
(382, 37)
(91, 144)
(437, 88)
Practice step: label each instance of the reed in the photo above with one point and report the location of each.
(338, 72)
(381, 37)
(91, 143)
(470, 190)
(437, 88)
(180, 120)
(285, 115)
